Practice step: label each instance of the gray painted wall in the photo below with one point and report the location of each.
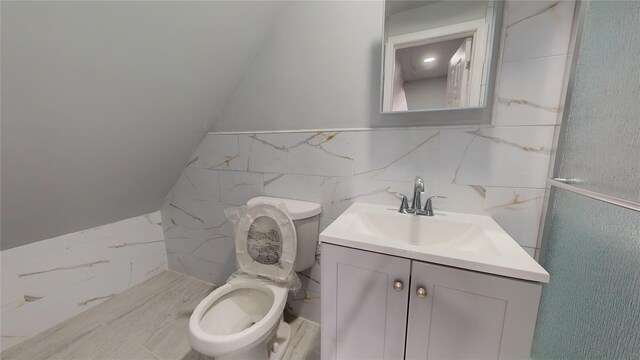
(321, 70)
(323, 62)
(103, 102)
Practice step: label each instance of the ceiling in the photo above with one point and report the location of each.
(411, 59)
(398, 6)
(103, 103)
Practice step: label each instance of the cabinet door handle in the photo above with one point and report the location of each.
(398, 286)
(421, 292)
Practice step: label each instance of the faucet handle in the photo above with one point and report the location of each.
(436, 197)
(404, 205)
(428, 208)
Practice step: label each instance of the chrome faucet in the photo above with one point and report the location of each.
(416, 203)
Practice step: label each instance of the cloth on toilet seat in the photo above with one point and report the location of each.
(266, 242)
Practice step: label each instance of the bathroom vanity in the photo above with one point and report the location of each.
(400, 286)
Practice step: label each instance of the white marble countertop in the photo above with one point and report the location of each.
(475, 242)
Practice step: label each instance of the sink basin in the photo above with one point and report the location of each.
(423, 230)
(472, 242)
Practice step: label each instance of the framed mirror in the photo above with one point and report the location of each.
(438, 55)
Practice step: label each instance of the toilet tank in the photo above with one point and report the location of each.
(306, 218)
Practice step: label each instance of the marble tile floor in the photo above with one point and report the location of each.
(148, 321)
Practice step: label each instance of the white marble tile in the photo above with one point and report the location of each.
(299, 187)
(397, 155)
(264, 153)
(53, 272)
(530, 92)
(213, 273)
(153, 218)
(11, 295)
(194, 160)
(187, 212)
(220, 251)
(147, 266)
(215, 219)
(236, 188)
(200, 184)
(505, 156)
(537, 29)
(219, 152)
(33, 317)
(146, 233)
(17, 255)
(183, 240)
(321, 153)
(122, 278)
(306, 303)
(325, 222)
(165, 213)
(459, 198)
(338, 193)
(39, 270)
(225, 229)
(517, 211)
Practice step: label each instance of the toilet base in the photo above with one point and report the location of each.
(271, 349)
(279, 344)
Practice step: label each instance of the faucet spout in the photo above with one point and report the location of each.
(418, 189)
(416, 203)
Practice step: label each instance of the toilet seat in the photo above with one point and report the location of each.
(283, 225)
(224, 341)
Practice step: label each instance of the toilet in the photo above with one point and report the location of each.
(243, 319)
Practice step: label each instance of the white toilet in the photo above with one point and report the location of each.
(243, 318)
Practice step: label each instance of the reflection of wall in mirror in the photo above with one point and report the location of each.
(426, 93)
(399, 100)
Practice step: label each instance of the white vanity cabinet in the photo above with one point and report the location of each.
(363, 316)
(377, 306)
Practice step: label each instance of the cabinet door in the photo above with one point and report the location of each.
(469, 315)
(363, 316)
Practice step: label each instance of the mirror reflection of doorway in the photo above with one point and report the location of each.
(458, 76)
(434, 75)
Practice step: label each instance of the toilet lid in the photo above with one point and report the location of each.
(266, 242)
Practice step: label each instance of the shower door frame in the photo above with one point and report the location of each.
(579, 16)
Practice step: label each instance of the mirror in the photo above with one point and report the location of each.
(437, 54)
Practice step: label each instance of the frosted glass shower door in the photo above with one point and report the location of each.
(591, 307)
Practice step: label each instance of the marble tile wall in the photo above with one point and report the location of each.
(49, 281)
(498, 170)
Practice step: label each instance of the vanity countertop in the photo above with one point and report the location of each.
(472, 242)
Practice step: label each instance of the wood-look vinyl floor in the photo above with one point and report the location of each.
(148, 321)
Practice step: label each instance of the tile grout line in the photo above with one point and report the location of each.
(150, 352)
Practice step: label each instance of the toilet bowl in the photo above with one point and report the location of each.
(240, 320)
(243, 319)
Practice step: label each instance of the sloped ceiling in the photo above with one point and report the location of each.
(103, 102)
